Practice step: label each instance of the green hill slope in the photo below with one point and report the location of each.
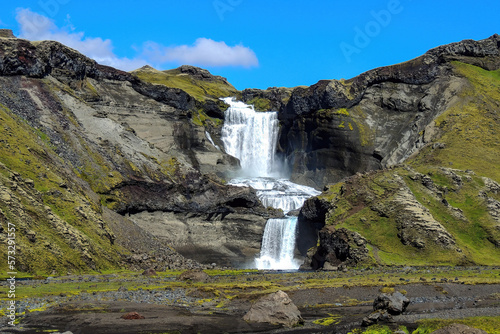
(441, 208)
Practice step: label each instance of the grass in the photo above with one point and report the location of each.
(355, 208)
(29, 152)
(201, 90)
(490, 325)
(250, 283)
(260, 104)
(470, 128)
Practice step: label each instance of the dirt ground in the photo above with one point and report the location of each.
(348, 304)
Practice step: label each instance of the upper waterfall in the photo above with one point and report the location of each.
(251, 137)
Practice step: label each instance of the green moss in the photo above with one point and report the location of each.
(341, 111)
(201, 119)
(333, 319)
(260, 104)
(378, 329)
(201, 90)
(490, 325)
(354, 206)
(469, 129)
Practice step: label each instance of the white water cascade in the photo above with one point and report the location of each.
(252, 137)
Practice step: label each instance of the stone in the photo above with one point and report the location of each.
(376, 317)
(149, 272)
(194, 275)
(329, 267)
(395, 303)
(459, 329)
(275, 308)
(132, 316)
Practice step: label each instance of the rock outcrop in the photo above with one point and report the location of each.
(276, 308)
(6, 33)
(410, 215)
(334, 129)
(105, 140)
(194, 275)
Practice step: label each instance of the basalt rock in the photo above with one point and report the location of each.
(6, 33)
(337, 247)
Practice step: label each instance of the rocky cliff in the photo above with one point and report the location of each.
(441, 206)
(101, 169)
(334, 129)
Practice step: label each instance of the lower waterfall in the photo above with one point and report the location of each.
(252, 137)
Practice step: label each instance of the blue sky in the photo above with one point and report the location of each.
(254, 43)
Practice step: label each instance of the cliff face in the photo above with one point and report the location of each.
(334, 129)
(90, 139)
(441, 205)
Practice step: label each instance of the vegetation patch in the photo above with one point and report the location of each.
(333, 319)
(490, 325)
(201, 90)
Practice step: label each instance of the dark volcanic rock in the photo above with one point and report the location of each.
(149, 272)
(6, 33)
(381, 316)
(311, 220)
(337, 247)
(385, 306)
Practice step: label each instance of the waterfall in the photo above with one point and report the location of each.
(252, 137)
(278, 245)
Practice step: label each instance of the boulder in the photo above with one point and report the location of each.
(149, 272)
(458, 329)
(376, 317)
(194, 275)
(394, 303)
(385, 306)
(276, 308)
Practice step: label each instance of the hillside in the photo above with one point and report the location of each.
(102, 169)
(442, 207)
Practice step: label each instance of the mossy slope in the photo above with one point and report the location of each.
(466, 137)
(200, 87)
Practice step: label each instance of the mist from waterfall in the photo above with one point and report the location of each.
(252, 137)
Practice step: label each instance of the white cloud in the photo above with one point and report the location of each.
(204, 52)
(37, 27)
